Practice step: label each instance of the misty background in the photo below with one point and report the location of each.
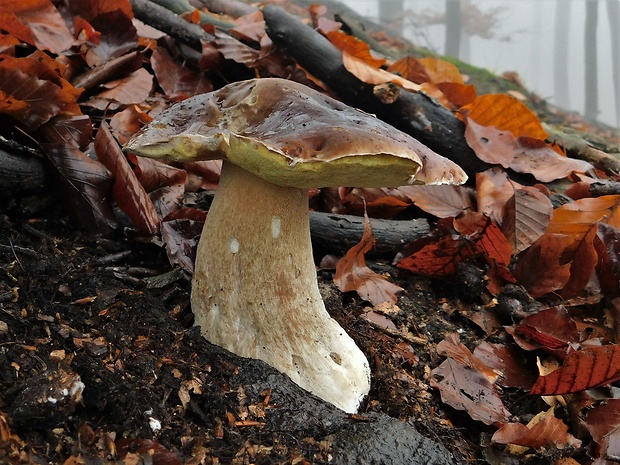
(566, 51)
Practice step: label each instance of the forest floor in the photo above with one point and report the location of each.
(98, 358)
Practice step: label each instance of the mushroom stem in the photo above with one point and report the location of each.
(254, 262)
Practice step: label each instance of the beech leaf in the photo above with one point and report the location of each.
(603, 422)
(526, 217)
(583, 369)
(36, 22)
(544, 430)
(177, 81)
(127, 191)
(352, 274)
(86, 183)
(443, 201)
(463, 387)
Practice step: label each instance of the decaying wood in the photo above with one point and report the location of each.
(332, 233)
(172, 24)
(414, 113)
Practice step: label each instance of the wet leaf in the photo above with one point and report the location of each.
(352, 274)
(127, 191)
(489, 237)
(607, 246)
(126, 123)
(543, 431)
(180, 232)
(551, 329)
(452, 347)
(583, 369)
(117, 37)
(465, 388)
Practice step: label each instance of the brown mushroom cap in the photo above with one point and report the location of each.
(291, 135)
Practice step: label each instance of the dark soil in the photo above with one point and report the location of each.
(99, 361)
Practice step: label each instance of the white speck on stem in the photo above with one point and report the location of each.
(276, 222)
(233, 245)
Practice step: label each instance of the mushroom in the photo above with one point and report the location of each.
(255, 289)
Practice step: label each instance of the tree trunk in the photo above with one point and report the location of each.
(391, 15)
(613, 13)
(453, 28)
(560, 56)
(591, 61)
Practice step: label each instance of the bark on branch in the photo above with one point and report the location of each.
(414, 113)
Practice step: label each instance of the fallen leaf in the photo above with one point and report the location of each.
(452, 347)
(443, 201)
(352, 274)
(465, 388)
(177, 81)
(543, 430)
(36, 22)
(526, 217)
(127, 191)
(86, 183)
(540, 280)
(583, 369)
(603, 423)
(354, 48)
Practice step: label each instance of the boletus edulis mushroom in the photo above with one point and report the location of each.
(255, 290)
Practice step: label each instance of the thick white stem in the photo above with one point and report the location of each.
(255, 291)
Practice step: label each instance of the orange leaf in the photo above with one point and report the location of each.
(490, 240)
(457, 94)
(506, 114)
(355, 48)
(441, 71)
(544, 430)
(37, 22)
(364, 72)
(581, 370)
(352, 274)
(576, 218)
(410, 68)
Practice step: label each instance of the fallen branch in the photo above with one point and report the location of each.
(331, 233)
(414, 113)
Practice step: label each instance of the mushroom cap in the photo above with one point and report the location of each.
(291, 135)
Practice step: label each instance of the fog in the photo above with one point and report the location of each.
(543, 41)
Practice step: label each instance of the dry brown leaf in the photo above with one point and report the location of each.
(352, 274)
(526, 217)
(443, 201)
(128, 193)
(463, 387)
(542, 431)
